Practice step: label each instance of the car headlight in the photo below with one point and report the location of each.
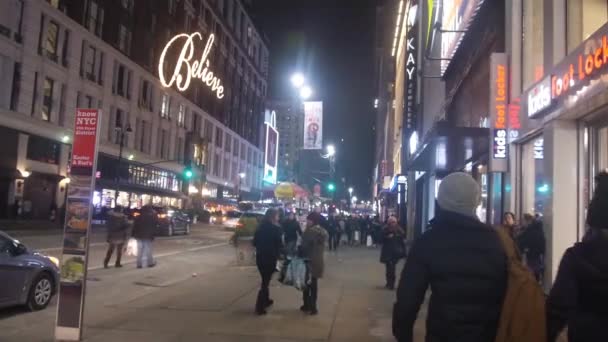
(54, 261)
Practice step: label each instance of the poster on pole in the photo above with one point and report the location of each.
(77, 226)
(313, 125)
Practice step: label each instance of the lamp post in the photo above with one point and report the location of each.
(350, 196)
(122, 133)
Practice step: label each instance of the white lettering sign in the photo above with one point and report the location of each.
(186, 68)
(500, 144)
(539, 97)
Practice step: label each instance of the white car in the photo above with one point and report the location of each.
(231, 219)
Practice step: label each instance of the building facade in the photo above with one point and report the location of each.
(62, 55)
(290, 124)
(514, 93)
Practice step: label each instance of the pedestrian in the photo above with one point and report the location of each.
(508, 224)
(393, 249)
(144, 230)
(579, 297)
(377, 230)
(291, 230)
(463, 261)
(531, 243)
(117, 226)
(364, 229)
(341, 229)
(268, 245)
(349, 230)
(313, 246)
(332, 231)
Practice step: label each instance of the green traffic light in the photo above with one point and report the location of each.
(188, 173)
(331, 187)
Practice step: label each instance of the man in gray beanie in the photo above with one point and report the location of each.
(463, 261)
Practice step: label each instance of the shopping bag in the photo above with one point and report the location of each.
(357, 235)
(294, 273)
(370, 241)
(132, 247)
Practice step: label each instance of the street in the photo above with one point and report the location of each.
(196, 293)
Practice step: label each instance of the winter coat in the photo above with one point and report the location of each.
(313, 247)
(531, 242)
(393, 245)
(462, 260)
(145, 225)
(291, 229)
(332, 226)
(268, 244)
(116, 225)
(579, 297)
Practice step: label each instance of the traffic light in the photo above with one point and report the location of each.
(188, 173)
(331, 187)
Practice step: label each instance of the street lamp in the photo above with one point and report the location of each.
(122, 133)
(297, 80)
(305, 92)
(331, 150)
(354, 200)
(242, 175)
(350, 191)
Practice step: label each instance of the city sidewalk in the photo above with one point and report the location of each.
(214, 303)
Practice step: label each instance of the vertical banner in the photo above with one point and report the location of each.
(410, 82)
(270, 155)
(72, 286)
(313, 125)
(499, 99)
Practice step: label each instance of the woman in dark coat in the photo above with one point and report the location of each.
(268, 245)
(579, 298)
(393, 249)
(313, 249)
(116, 225)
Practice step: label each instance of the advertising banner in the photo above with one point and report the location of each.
(73, 267)
(313, 125)
(271, 154)
(499, 100)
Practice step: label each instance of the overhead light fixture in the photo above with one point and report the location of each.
(65, 139)
(131, 157)
(25, 173)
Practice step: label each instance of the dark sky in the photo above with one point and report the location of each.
(331, 42)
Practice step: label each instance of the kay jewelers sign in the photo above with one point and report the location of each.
(188, 65)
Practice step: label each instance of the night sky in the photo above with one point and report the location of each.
(331, 42)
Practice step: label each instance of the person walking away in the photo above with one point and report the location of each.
(291, 230)
(341, 229)
(364, 228)
(508, 224)
(393, 249)
(463, 261)
(377, 230)
(579, 297)
(332, 231)
(144, 230)
(117, 226)
(313, 246)
(349, 230)
(531, 243)
(267, 241)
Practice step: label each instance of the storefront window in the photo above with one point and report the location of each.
(535, 188)
(602, 149)
(107, 198)
(584, 18)
(532, 52)
(123, 199)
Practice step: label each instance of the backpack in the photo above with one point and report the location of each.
(522, 318)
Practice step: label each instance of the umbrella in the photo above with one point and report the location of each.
(289, 190)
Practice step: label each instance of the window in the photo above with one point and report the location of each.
(119, 124)
(179, 149)
(163, 147)
(226, 170)
(227, 145)
(47, 100)
(532, 52)
(43, 150)
(217, 165)
(124, 39)
(50, 43)
(145, 95)
(122, 80)
(534, 187)
(208, 131)
(583, 19)
(181, 115)
(62, 95)
(164, 106)
(65, 48)
(94, 21)
(89, 62)
(218, 137)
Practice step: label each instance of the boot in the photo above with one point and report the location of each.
(118, 257)
(108, 256)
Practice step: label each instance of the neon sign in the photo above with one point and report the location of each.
(186, 68)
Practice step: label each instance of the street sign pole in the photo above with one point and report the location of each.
(77, 227)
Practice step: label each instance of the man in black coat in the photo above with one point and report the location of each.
(268, 246)
(531, 243)
(291, 230)
(463, 261)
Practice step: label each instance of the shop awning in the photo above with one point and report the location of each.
(446, 148)
(106, 184)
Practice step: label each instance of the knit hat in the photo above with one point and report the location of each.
(459, 193)
(597, 215)
(314, 217)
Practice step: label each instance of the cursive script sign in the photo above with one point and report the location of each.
(186, 68)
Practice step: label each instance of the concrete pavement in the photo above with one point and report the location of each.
(199, 295)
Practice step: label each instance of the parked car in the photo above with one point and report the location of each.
(232, 219)
(27, 277)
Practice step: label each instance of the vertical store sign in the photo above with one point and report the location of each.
(270, 157)
(411, 67)
(499, 99)
(313, 125)
(74, 259)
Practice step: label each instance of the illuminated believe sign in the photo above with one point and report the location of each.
(187, 67)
